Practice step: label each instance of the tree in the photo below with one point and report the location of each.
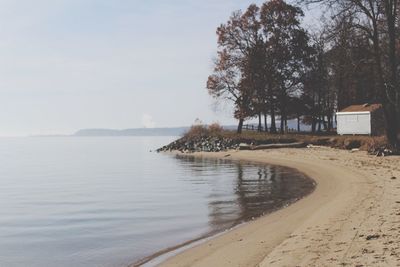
(261, 61)
(378, 20)
(287, 47)
(236, 73)
(226, 82)
(351, 63)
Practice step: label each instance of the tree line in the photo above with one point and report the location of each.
(269, 66)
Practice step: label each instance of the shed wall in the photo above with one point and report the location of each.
(354, 123)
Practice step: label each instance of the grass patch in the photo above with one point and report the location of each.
(366, 143)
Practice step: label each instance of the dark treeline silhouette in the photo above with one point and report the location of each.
(268, 65)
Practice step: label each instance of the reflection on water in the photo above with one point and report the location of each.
(244, 191)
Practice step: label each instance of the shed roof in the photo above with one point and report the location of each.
(362, 108)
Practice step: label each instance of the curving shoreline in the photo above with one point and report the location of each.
(299, 187)
(328, 227)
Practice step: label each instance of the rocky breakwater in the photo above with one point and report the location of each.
(217, 144)
(201, 144)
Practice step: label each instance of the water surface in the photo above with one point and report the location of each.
(108, 201)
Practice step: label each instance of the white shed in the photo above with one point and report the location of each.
(364, 119)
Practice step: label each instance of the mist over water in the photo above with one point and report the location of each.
(108, 201)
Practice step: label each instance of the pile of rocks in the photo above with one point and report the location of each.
(382, 151)
(201, 144)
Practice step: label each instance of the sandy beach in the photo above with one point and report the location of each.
(352, 218)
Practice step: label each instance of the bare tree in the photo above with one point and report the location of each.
(378, 20)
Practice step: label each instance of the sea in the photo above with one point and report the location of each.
(113, 201)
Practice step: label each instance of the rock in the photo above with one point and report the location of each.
(217, 144)
(381, 151)
(370, 237)
(244, 146)
(198, 144)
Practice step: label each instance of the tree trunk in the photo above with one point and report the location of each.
(313, 124)
(283, 111)
(391, 123)
(319, 123)
(324, 123)
(283, 122)
(298, 123)
(391, 131)
(286, 127)
(393, 109)
(273, 123)
(259, 122)
(240, 126)
(329, 123)
(266, 122)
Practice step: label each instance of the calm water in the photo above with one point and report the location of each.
(108, 201)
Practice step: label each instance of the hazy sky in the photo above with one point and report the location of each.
(72, 64)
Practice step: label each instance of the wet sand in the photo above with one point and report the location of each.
(352, 218)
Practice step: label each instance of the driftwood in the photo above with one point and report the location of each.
(271, 146)
(316, 146)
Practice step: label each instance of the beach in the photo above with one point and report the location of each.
(352, 218)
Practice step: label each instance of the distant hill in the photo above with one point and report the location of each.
(177, 131)
(173, 131)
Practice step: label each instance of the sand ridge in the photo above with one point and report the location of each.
(352, 218)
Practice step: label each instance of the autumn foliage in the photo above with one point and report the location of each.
(201, 130)
(269, 66)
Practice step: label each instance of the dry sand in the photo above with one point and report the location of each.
(351, 219)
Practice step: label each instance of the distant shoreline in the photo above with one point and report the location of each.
(173, 131)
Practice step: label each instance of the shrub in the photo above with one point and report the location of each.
(215, 129)
(200, 130)
(196, 131)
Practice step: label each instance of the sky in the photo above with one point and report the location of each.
(67, 65)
